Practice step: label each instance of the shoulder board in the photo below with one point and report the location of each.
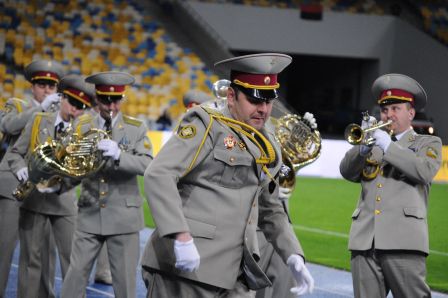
(20, 104)
(43, 114)
(211, 111)
(132, 121)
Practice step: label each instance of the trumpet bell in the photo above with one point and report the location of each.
(353, 134)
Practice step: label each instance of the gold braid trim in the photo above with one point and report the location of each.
(35, 131)
(370, 176)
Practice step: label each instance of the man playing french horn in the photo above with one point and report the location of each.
(389, 233)
(54, 204)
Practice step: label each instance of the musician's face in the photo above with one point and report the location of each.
(248, 111)
(69, 112)
(105, 109)
(40, 91)
(400, 113)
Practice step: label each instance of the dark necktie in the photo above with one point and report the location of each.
(58, 129)
(107, 125)
(393, 138)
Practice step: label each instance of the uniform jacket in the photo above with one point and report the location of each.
(392, 208)
(46, 203)
(17, 112)
(218, 193)
(110, 201)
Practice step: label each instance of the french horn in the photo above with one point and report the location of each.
(74, 155)
(300, 146)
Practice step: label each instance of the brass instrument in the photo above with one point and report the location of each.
(355, 135)
(219, 89)
(73, 155)
(300, 144)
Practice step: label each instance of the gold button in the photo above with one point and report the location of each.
(378, 198)
(232, 159)
(377, 212)
(103, 205)
(379, 185)
(102, 193)
(382, 173)
(102, 180)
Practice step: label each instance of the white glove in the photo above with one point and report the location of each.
(187, 256)
(110, 148)
(284, 193)
(364, 149)
(49, 100)
(310, 120)
(382, 139)
(51, 189)
(22, 174)
(305, 282)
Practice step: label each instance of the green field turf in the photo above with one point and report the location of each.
(321, 211)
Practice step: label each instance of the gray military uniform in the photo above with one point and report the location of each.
(110, 211)
(59, 209)
(391, 215)
(219, 194)
(17, 113)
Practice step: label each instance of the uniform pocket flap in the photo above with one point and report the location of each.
(414, 212)
(201, 229)
(232, 159)
(133, 201)
(356, 213)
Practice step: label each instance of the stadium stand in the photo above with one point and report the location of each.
(94, 36)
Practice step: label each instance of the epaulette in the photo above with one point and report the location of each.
(211, 111)
(132, 121)
(35, 130)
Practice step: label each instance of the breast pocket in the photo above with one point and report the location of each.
(232, 168)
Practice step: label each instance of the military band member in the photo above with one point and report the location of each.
(212, 184)
(195, 97)
(389, 233)
(50, 204)
(44, 77)
(110, 205)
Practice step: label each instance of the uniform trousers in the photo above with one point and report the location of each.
(102, 263)
(123, 251)
(164, 285)
(377, 272)
(278, 273)
(32, 230)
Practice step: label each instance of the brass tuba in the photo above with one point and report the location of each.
(72, 156)
(300, 145)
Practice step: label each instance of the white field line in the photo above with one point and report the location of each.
(342, 235)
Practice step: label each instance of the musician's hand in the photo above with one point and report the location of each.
(305, 282)
(310, 120)
(22, 174)
(382, 139)
(284, 193)
(366, 124)
(187, 255)
(49, 100)
(110, 148)
(365, 149)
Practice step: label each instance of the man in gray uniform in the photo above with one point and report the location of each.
(212, 184)
(44, 76)
(389, 233)
(53, 204)
(110, 205)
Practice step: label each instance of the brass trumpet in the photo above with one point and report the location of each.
(355, 135)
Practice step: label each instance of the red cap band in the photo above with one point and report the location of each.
(255, 81)
(45, 75)
(79, 95)
(396, 94)
(110, 89)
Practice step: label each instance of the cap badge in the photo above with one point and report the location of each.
(267, 80)
(112, 89)
(229, 142)
(48, 74)
(389, 93)
(81, 94)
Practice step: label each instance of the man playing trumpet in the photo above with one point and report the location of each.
(389, 232)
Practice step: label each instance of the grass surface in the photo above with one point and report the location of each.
(321, 211)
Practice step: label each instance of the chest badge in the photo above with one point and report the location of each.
(124, 143)
(242, 146)
(229, 142)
